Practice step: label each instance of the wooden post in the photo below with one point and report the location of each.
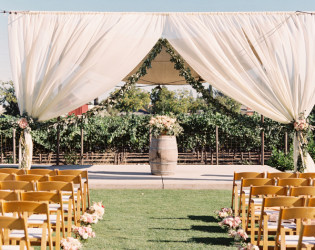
(217, 143)
(14, 146)
(262, 162)
(286, 143)
(81, 154)
(58, 142)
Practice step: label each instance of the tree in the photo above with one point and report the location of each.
(228, 102)
(133, 100)
(8, 99)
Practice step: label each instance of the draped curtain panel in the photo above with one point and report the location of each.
(61, 61)
(263, 60)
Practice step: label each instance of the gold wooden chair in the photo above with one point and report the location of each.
(303, 191)
(270, 215)
(17, 185)
(31, 177)
(299, 214)
(281, 175)
(293, 182)
(69, 206)
(12, 171)
(236, 192)
(85, 179)
(306, 237)
(56, 217)
(10, 223)
(244, 198)
(6, 177)
(40, 171)
(39, 234)
(78, 190)
(257, 193)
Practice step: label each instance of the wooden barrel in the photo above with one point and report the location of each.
(163, 155)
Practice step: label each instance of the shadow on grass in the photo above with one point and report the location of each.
(172, 229)
(204, 218)
(223, 241)
(168, 218)
(208, 229)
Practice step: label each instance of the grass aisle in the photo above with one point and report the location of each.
(160, 219)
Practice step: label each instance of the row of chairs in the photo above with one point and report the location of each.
(43, 205)
(262, 201)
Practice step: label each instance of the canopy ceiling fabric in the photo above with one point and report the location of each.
(162, 72)
(263, 60)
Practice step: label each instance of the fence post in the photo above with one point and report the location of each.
(81, 154)
(217, 143)
(58, 142)
(286, 143)
(262, 162)
(14, 146)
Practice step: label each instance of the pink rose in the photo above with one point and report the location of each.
(23, 123)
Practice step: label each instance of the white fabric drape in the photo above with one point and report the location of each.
(62, 61)
(276, 78)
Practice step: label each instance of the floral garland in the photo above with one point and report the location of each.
(233, 225)
(25, 143)
(85, 231)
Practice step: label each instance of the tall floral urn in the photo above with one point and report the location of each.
(163, 153)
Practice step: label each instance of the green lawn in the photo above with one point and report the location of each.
(160, 219)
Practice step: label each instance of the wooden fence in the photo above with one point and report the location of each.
(201, 157)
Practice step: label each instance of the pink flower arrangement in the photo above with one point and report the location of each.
(231, 222)
(224, 212)
(164, 125)
(239, 235)
(98, 209)
(301, 125)
(23, 124)
(88, 218)
(70, 243)
(249, 246)
(83, 232)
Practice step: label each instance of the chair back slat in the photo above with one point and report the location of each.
(282, 175)
(296, 182)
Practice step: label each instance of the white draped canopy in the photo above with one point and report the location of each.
(263, 60)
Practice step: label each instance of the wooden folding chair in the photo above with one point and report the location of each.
(12, 171)
(56, 217)
(70, 209)
(31, 177)
(85, 178)
(306, 237)
(6, 177)
(254, 208)
(282, 175)
(39, 234)
(245, 185)
(17, 185)
(39, 171)
(293, 182)
(270, 208)
(311, 202)
(236, 192)
(11, 223)
(303, 191)
(299, 214)
(307, 175)
(78, 190)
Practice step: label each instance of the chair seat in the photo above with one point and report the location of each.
(257, 201)
(55, 207)
(293, 240)
(246, 191)
(67, 197)
(10, 247)
(274, 225)
(32, 233)
(40, 218)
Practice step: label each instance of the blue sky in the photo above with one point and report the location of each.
(137, 6)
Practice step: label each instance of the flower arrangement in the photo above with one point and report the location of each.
(87, 218)
(70, 243)
(224, 212)
(23, 124)
(230, 222)
(164, 125)
(248, 246)
(239, 234)
(98, 209)
(83, 232)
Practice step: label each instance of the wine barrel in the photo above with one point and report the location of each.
(163, 155)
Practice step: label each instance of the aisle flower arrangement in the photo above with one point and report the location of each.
(84, 232)
(232, 224)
